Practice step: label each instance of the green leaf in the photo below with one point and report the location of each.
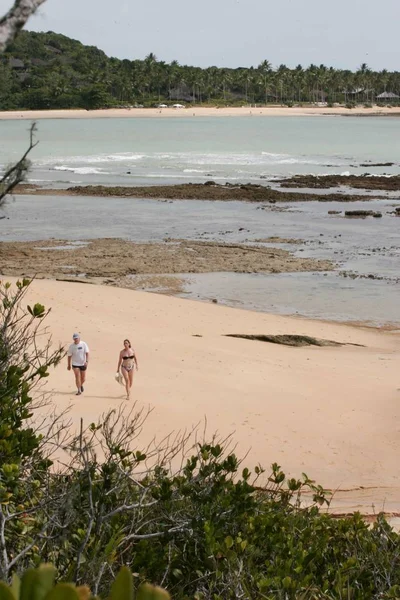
(63, 591)
(151, 592)
(38, 310)
(36, 583)
(16, 585)
(287, 583)
(122, 588)
(228, 542)
(6, 592)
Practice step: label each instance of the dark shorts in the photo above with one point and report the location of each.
(81, 368)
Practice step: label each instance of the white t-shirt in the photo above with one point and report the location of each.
(78, 353)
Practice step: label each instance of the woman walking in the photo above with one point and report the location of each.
(127, 362)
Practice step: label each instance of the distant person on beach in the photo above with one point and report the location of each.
(78, 358)
(127, 362)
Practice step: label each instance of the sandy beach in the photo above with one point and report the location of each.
(332, 412)
(199, 111)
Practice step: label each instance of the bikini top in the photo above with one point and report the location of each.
(128, 357)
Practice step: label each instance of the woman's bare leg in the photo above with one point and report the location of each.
(130, 374)
(126, 378)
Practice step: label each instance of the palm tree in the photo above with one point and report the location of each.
(265, 70)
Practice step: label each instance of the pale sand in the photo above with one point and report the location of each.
(333, 413)
(198, 111)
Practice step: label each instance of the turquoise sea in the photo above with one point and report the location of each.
(150, 150)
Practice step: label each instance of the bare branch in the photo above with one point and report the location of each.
(27, 548)
(3, 544)
(17, 172)
(127, 507)
(147, 536)
(15, 19)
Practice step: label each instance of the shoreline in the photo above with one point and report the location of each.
(163, 268)
(291, 405)
(200, 111)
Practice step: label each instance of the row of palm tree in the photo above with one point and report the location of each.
(152, 78)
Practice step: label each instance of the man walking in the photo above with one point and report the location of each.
(78, 357)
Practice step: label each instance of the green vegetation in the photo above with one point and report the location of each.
(48, 70)
(39, 584)
(184, 514)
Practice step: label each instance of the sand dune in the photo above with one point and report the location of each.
(330, 412)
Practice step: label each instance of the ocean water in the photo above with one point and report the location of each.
(155, 151)
(257, 149)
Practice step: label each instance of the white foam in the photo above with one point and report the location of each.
(92, 159)
(81, 170)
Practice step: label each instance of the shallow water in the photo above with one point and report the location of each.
(313, 295)
(363, 246)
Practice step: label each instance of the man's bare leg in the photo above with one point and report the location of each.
(78, 380)
(83, 379)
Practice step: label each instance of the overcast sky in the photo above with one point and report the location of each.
(232, 33)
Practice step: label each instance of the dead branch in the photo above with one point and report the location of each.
(17, 172)
(15, 19)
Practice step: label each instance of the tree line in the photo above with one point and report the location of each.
(49, 71)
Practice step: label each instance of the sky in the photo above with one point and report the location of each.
(232, 33)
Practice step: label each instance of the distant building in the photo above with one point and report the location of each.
(16, 63)
(387, 96)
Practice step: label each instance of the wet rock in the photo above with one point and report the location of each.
(364, 181)
(334, 212)
(361, 214)
(385, 164)
(195, 191)
(287, 339)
